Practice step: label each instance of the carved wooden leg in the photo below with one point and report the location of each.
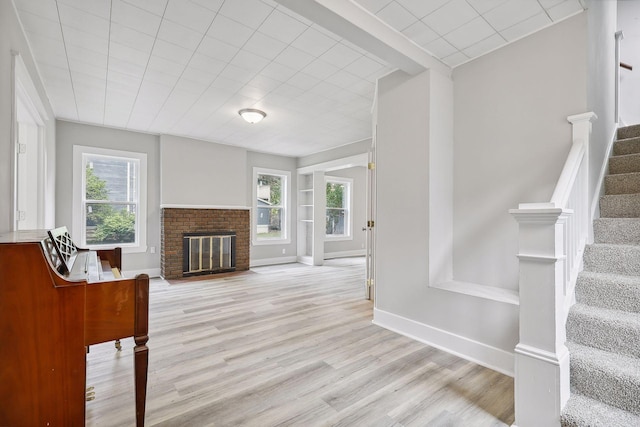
(141, 365)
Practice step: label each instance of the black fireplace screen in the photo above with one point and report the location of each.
(208, 252)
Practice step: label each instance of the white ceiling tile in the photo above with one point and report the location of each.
(547, 4)
(483, 6)
(469, 33)
(165, 65)
(265, 83)
(41, 26)
(565, 9)
(420, 33)
(180, 35)
(157, 76)
(421, 8)
(526, 27)
(320, 69)
(230, 31)
(217, 49)
(373, 6)
(156, 7)
(396, 16)
(56, 77)
(440, 48)
(191, 86)
(129, 54)
(343, 79)
(101, 8)
(201, 77)
(363, 67)
(130, 16)
(125, 67)
(122, 82)
(363, 88)
(172, 52)
(206, 64)
(131, 38)
(83, 21)
(450, 16)
(326, 32)
(278, 72)
(249, 61)
(340, 55)
(238, 74)
(282, 27)
(264, 46)
(222, 82)
(484, 46)
(294, 58)
(88, 69)
(88, 41)
(252, 92)
(512, 12)
(88, 56)
(48, 51)
(213, 5)
(190, 15)
(248, 12)
(313, 42)
(303, 81)
(44, 8)
(455, 59)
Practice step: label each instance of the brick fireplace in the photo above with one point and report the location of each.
(175, 222)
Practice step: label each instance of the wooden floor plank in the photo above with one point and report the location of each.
(288, 345)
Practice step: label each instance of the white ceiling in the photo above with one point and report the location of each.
(185, 67)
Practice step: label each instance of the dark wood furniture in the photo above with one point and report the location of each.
(51, 310)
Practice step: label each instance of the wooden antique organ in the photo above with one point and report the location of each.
(56, 301)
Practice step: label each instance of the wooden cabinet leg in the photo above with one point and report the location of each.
(141, 365)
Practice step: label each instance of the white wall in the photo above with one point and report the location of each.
(601, 67)
(200, 173)
(12, 39)
(70, 134)
(511, 141)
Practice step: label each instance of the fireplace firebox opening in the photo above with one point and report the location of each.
(208, 252)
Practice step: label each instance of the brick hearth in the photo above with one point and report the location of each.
(177, 221)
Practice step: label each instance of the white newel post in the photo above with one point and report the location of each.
(551, 240)
(541, 357)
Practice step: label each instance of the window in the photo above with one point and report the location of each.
(109, 198)
(338, 213)
(271, 206)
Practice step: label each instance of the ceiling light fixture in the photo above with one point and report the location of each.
(252, 115)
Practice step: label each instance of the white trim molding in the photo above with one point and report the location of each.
(272, 261)
(345, 254)
(468, 349)
(172, 206)
(151, 272)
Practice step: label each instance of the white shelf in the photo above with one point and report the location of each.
(306, 190)
(306, 220)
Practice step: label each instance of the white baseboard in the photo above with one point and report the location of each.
(152, 272)
(345, 254)
(474, 351)
(272, 261)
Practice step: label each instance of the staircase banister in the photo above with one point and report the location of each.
(569, 173)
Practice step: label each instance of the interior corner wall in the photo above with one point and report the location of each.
(201, 173)
(70, 134)
(273, 254)
(12, 38)
(602, 26)
(511, 141)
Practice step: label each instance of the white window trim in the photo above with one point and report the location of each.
(349, 225)
(286, 221)
(78, 215)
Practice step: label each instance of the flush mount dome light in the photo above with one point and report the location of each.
(252, 115)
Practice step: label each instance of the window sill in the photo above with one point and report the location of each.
(337, 238)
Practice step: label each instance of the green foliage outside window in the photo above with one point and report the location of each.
(109, 225)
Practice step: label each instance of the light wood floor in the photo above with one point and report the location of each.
(288, 345)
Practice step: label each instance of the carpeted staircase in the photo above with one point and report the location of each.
(603, 328)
